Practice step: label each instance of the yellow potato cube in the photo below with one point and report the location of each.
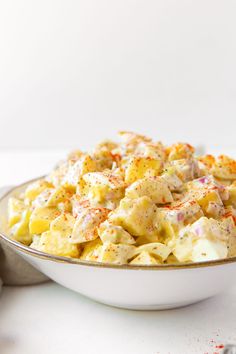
(205, 163)
(206, 184)
(16, 208)
(20, 231)
(156, 249)
(63, 224)
(140, 167)
(105, 188)
(171, 259)
(174, 183)
(58, 195)
(153, 187)
(209, 194)
(41, 219)
(57, 176)
(150, 149)
(224, 168)
(213, 229)
(182, 248)
(52, 197)
(205, 239)
(206, 199)
(91, 250)
(57, 244)
(137, 216)
(144, 258)
(115, 253)
(206, 250)
(103, 157)
(87, 221)
(176, 216)
(82, 166)
(36, 188)
(130, 141)
(114, 234)
(185, 169)
(180, 151)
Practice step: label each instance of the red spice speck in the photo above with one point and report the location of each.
(220, 346)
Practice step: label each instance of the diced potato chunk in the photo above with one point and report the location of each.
(42, 198)
(205, 163)
(224, 168)
(79, 204)
(82, 166)
(115, 253)
(144, 258)
(185, 169)
(85, 227)
(208, 183)
(180, 151)
(58, 195)
(140, 167)
(64, 224)
(153, 187)
(91, 250)
(36, 188)
(58, 174)
(153, 150)
(104, 187)
(130, 141)
(178, 215)
(210, 203)
(156, 249)
(212, 228)
(114, 234)
(15, 209)
(208, 193)
(20, 231)
(52, 197)
(173, 181)
(182, 248)
(103, 156)
(203, 240)
(56, 243)
(137, 216)
(41, 218)
(206, 250)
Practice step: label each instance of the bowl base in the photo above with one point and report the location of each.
(157, 307)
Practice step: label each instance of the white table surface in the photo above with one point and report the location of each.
(49, 319)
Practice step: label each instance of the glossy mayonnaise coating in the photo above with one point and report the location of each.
(134, 202)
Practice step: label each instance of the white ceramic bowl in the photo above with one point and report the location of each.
(131, 287)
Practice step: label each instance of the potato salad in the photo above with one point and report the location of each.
(135, 202)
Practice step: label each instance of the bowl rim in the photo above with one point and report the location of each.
(60, 259)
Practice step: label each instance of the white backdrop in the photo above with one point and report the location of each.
(73, 72)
